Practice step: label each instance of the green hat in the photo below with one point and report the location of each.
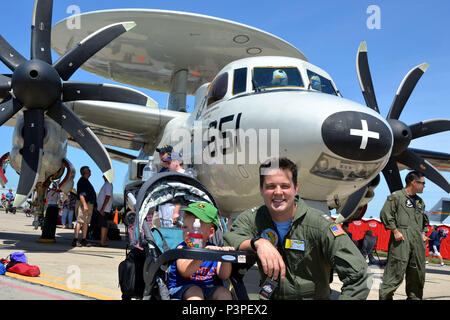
(204, 211)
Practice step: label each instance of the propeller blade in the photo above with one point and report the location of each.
(9, 56)
(33, 136)
(41, 31)
(351, 204)
(405, 89)
(364, 77)
(8, 108)
(72, 60)
(417, 163)
(5, 85)
(392, 175)
(73, 91)
(425, 128)
(82, 134)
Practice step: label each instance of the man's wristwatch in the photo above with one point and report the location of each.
(252, 242)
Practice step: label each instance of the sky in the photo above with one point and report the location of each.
(400, 35)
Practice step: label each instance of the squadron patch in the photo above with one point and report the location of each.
(270, 235)
(337, 230)
(419, 204)
(409, 203)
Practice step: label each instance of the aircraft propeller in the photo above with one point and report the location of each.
(402, 133)
(36, 87)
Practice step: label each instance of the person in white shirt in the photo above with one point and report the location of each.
(104, 205)
(53, 196)
(170, 213)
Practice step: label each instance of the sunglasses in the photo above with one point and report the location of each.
(421, 182)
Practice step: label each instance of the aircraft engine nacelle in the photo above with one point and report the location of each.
(54, 149)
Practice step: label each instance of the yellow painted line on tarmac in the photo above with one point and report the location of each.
(118, 292)
(37, 280)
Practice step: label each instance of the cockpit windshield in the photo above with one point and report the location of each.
(319, 83)
(275, 77)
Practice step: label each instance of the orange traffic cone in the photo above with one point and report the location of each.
(116, 217)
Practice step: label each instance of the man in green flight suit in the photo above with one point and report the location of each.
(404, 214)
(297, 245)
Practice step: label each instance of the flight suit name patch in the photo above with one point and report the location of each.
(295, 244)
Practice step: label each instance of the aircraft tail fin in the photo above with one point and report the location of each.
(440, 213)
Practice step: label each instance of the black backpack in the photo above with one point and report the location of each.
(131, 274)
(131, 270)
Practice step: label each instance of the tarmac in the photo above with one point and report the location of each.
(92, 271)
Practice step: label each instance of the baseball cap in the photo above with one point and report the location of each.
(174, 156)
(206, 212)
(165, 149)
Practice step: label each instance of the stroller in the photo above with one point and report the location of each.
(144, 273)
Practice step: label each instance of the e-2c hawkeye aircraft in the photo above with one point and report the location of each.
(256, 96)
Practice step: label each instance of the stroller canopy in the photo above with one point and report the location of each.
(166, 187)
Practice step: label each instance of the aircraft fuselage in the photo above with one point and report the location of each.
(338, 145)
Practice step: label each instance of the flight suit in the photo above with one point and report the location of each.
(407, 214)
(312, 246)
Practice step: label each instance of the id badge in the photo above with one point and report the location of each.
(267, 288)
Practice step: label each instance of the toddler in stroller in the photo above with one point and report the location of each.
(146, 273)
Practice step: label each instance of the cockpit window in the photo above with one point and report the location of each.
(319, 83)
(240, 80)
(218, 88)
(275, 77)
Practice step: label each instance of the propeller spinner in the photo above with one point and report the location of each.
(36, 87)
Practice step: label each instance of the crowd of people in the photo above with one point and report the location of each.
(80, 208)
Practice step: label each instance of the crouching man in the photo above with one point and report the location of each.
(297, 246)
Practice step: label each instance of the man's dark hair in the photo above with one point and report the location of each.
(278, 163)
(413, 175)
(84, 170)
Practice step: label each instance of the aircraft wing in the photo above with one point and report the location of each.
(439, 160)
(124, 125)
(113, 154)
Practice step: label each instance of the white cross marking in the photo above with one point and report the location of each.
(365, 134)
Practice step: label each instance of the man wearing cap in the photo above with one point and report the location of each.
(170, 213)
(195, 279)
(164, 152)
(296, 245)
(174, 162)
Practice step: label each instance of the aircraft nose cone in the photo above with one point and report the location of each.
(356, 135)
